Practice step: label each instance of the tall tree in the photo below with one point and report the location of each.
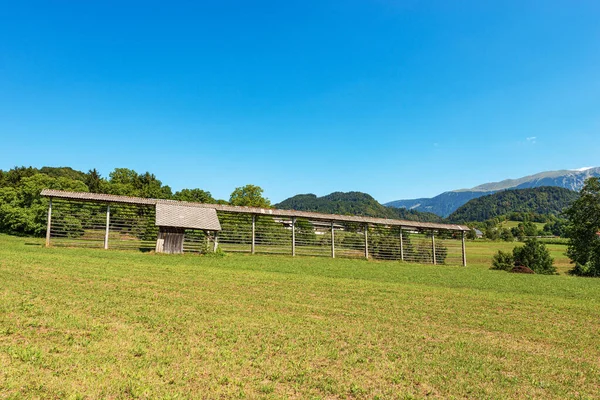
(249, 196)
(93, 180)
(583, 230)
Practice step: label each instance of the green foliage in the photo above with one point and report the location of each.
(535, 256)
(503, 260)
(194, 195)
(352, 203)
(23, 210)
(126, 182)
(506, 235)
(526, 204)
(583, 230)
(249, 196)
(525, 229)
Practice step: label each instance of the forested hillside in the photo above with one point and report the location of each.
(353, 203)
(546, 200)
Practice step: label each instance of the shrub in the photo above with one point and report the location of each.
(534, 255)
(503, 261)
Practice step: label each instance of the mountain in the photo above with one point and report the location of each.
(446, 203)
(544, 200)
(352, 203)
(442, 205)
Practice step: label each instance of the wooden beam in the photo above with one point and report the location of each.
(49, 223)
(433, 247)
(367, 241)
(332, 240)
(253, 233)
(464, 250)
(293, 236)
(107, 227)
(401, 245)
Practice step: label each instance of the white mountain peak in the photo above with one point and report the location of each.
(582, 169)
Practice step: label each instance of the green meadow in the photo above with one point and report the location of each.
(89, 323)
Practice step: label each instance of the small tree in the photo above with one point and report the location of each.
(503, 261)
(535, 256)
(583, 228)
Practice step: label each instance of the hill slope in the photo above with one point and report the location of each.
(544, 200)
(355, 203)
(448, 202)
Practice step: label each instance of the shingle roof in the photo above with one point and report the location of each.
(108, 198)
(187, 217)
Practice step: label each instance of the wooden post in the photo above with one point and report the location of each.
(253, 233)
(293, 236)
(464, 250)
(332, 240)
(107, 227)
(49, 225)
(401, 245)
(433, 247)
(216, 245)
(367, 241)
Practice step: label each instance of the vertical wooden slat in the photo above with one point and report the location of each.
(433, 247)
(464, 250)
(216, 241)
(49, 223)
(107, 227)
(293, 236)
(367, 241)
(332, 240)
(253, 246)
(401, 245)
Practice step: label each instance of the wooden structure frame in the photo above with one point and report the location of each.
(212, 226)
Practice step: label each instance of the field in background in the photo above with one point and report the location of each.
(480, 253)
(118, 324)
(514, 224)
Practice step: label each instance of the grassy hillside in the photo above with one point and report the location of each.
(541, 201)
(352, 203)
(94, 323)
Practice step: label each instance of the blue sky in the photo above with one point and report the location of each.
(399, 99)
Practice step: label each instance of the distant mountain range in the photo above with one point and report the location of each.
(446, 203)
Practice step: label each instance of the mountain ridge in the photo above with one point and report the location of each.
(446, 203)
(353, 203)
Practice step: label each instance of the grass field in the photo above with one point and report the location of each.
(77, 323)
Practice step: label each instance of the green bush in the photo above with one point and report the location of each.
(503, 261)
(534, 255)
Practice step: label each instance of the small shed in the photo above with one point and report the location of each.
(172, 221)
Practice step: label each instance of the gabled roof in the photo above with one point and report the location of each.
(179, 216)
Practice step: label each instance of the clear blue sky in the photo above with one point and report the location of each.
(398, 99)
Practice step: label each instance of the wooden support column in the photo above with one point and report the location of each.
(433, 247)
(253, 233)
(367, 241)
(216, 245)
(464, 250)
(293, 236)
(49, 224)
(332, 240)
(401, 245)
(107, 227)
